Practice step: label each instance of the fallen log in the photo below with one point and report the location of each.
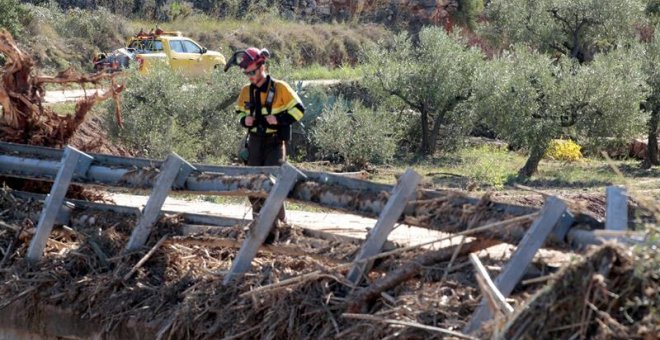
(365, 296)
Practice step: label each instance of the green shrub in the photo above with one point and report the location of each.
(296, 43)
(100, 28)
(489, 165)
(12, 17)
(166, 112)
(57, 39)
(355, 134)
(563, 150)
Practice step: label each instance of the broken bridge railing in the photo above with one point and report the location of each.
(391, 204)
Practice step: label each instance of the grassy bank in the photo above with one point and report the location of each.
(300, 44)
(58, 39)
(489, 168)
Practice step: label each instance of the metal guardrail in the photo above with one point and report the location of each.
(110, 161)
(34, 162)
(327, 190)
(176, 173)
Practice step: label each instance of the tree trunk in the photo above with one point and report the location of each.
(434, 133)
(652, 148)
(533, 161)
(426, 143)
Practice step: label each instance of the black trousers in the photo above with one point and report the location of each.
(264, 151)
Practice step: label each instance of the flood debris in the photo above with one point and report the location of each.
(603, 296)
(172, 287)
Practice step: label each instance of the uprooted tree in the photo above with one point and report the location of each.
(24, 118)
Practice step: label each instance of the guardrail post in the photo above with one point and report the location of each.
(74, 162)
(552, 211)
(616, 215)
(264, 222)
(404, 190)
(173, 173)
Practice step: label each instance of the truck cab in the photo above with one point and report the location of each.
(180, 53)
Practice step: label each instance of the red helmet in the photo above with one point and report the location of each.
(245, 58)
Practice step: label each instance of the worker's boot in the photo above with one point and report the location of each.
(279, 227)
(274, 234)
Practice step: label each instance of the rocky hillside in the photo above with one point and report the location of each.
(397, 14)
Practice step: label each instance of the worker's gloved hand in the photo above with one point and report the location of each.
(272, 120)
(249, 121)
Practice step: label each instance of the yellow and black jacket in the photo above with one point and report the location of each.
(286, 106)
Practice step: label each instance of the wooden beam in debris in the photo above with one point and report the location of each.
(616, 215)
(552, 211)
(404, 190)
(359, 300)
(494, 298)
(74, 162)
(170, 171)
(264, 223)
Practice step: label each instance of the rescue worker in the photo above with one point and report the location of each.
(267, 107)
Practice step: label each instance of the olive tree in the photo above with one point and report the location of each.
(652, 70)
(529, 99)
(432, 78)
(575, 28)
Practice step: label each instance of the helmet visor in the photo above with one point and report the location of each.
(239, 58)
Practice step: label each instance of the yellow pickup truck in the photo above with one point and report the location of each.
(171, 48)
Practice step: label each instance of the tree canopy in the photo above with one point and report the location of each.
(576, 28)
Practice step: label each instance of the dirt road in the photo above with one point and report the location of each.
(333, 222)
(63, 96)
(342, 224)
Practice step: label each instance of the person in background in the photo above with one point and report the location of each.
(266, 107)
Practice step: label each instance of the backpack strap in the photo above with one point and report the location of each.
(271, 96)
(252, 105)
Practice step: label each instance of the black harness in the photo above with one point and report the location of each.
(255, 106)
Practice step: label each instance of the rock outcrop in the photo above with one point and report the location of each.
(390, 12)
